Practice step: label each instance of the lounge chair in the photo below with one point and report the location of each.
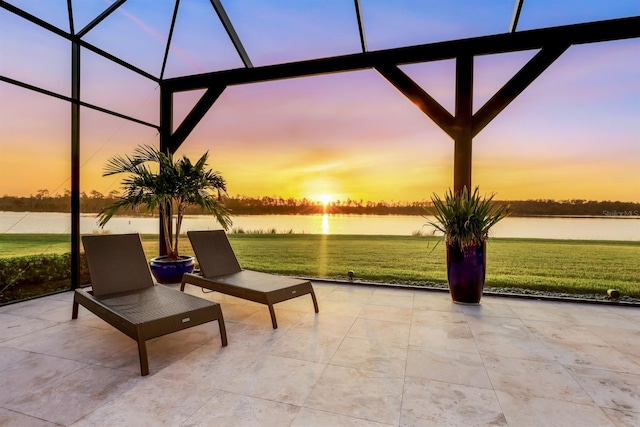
(220, 271)
(125, 295)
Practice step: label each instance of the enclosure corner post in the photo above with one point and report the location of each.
(166, 127)
(75, 165)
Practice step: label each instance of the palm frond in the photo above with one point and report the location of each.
(154, 180)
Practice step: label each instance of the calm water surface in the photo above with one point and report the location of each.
(605, 228)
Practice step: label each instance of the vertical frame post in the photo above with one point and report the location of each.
(75, 165)
(463, 123)
(166, 128)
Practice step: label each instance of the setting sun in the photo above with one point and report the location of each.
(325, 199)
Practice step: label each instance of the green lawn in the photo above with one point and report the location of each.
(556, 265)
(13, 245)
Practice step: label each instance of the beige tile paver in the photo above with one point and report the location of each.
(372, 357)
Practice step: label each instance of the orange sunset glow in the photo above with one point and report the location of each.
(574, 133)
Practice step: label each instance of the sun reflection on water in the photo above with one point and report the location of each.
(325, 224)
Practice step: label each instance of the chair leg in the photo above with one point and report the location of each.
(74, 312)
(223, 331)
(142, 353)
(273, 316)
(221, 325)
(315, 301)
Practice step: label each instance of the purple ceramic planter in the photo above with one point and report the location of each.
(466, 270)
(171, 271)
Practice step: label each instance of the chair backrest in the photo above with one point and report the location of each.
(214, 253)
(117, 263)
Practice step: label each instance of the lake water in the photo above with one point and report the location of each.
(605, 228)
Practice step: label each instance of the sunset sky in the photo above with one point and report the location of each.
(573, 134)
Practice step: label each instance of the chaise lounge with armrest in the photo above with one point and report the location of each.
(125, 295)
(220, 271)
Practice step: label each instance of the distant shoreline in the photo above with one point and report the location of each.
(553, 227)
(243, 205)
(146, 215)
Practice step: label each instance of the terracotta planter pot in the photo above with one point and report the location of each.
(170, 271)
(466, 272)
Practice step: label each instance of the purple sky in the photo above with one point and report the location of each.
(574, 133)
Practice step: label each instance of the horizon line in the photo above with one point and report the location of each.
(333, 202)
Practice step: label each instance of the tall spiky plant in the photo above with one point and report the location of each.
(465, 219)
(170, 186)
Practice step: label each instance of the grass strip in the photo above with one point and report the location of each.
(571, 266)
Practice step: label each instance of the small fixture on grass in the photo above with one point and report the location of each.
(613, 294)
(350, 274)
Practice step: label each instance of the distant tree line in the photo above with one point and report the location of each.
(94, 201)
(243, 205)
(572, 207)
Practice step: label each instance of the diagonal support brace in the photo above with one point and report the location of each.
(516, 85)
(193, 118)
(419, 97)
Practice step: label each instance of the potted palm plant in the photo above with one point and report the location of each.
(465, 220)
(157, 182)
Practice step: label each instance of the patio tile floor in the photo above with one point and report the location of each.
(373, 356)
